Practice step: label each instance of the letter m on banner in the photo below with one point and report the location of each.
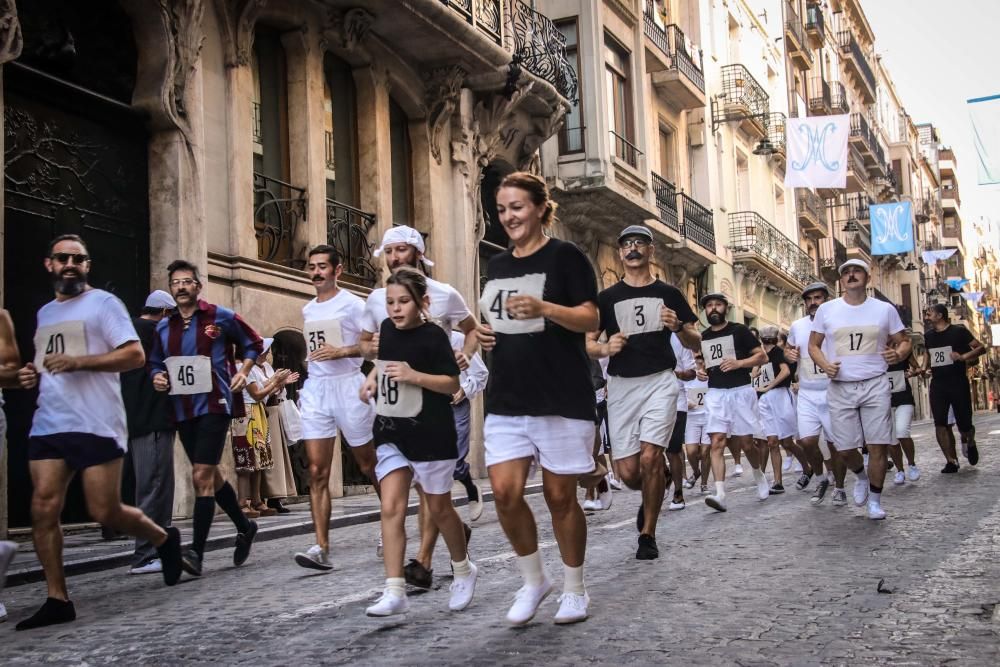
(892, 228)
(817, 151)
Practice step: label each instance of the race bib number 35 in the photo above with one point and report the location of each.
(717, 349)
(897, 381)
(322, 332)
(493, 303)
(189, 375)
(636, 316)
(849, 341)
(64, 338)
(940, 356)
(396, 399)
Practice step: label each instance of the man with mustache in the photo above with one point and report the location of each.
(813, 412)
(329, 398)
(194, 358)
(854, 339)
(640, 315)
(730, 350)
(85, 338)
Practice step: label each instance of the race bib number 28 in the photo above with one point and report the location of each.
(189, 375)
(717, 349)
(64, 338)
(493, 303)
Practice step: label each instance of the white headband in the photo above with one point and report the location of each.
(404, 234)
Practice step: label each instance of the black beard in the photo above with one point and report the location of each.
(634, 254)
(716, 318)
(69, 286)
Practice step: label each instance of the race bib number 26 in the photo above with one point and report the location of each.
(64, 338)
(940, 356)
(717, 349)
(493, 303)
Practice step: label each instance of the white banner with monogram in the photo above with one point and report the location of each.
(817, 151)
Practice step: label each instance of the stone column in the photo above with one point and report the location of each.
(239, 94)
(374, 152)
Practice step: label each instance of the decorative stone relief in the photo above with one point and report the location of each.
(11, 40)
(356, 24)
(184, 21)
(237, 19)
(443, 86)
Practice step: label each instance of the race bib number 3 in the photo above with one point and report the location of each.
(493, 303)
(717, 349)
(850, 341)
(322, 332)
(636, 316)
(396, 399)
(897, 381)
(64, 338)
(940, 356)
(189, 375)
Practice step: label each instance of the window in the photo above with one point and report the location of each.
(571, 134)
(270, 106)
(667, 165)
(616, 62)
(401, 165)
(742, 182)
(340, 132)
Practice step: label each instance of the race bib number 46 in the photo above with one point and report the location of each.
(396, 399)
(940, 356)
(493, 303)
(189, 375)
(849, 341)
(323, 332)
(717, 349)
(636, 316)
(64, 338)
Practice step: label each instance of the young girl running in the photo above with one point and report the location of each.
(414, 379)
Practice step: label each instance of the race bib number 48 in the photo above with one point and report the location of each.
(396, 399)
(323, 332)
(717, 349)
(940, 356)
(493, 303)
(849, 341)
(64, 338)
(636, 316)
(189, 375)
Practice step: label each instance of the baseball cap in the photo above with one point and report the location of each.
(268, 342)
(860, 263)
(636, 230)
(812, 287)
(713, 295)
(770, 332)
(404, 234)
(160, 299)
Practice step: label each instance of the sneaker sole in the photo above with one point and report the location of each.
(816, 501)
(395, 613)
(570, 621)
(308, 563)
(714, 504)
(529, 619)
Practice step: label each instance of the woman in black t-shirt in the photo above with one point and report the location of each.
(540, 300)
(412, 383)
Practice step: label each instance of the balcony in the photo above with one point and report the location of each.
(681, 81)
(857, 173)
(815, 29)
(858, 243)
(756, 242)
(811, 209)
(697, 223)
(625, 150)
(832, 254)
(856, 63)
(795, 39)
(864, 137)
(533, 39)
(278, 210)
(347, 230)
(820, 101)
(666, 201)
(949, 200)
(776, 133)
(742, 99)
(685, 216)
(839, 103)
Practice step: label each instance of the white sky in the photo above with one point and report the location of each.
(940, 54)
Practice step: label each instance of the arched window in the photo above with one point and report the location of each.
(401, 165)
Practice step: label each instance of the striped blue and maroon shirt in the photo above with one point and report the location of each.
(215, 332)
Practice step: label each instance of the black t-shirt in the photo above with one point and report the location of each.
(635, 311)
(958, 338)
(777, 357)
(146, 410)
(743, 344)
(903, 393)
(430, 436)
(539, 368)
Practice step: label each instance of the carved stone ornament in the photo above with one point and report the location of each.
(443, 86)
(184, 20)
(356, 24)
(11, 40)
(237, 19)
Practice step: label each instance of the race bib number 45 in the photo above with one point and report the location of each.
(493, 303)
(323, 332)
(849, 341)
(717, 349)
(189, 375)
(940, 356)
(396, 399)
(636, 316)
(64, 338)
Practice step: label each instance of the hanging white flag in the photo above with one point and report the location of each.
(974, 297)
(984, 112)
(817, 151)
(935, 256)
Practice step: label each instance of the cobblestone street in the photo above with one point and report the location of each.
(772, 583)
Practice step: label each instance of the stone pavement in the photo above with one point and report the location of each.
(768, 583)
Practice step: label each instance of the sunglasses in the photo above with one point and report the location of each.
(633, 243)
(65, 257)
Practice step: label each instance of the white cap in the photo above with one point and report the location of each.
(268, 342)
(860, 263)
(404, 234)
(160, 299)
(769, 331)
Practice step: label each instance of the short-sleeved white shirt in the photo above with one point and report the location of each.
(811, 376)
(448, 308)
(85, 401)
(349, 310)
(685, 362)
(856, 336)
(257, 375)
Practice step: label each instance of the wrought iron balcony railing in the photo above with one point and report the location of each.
(820, 103)
(849, 45)
(812, 204)
(697, 223)
(330, 162)
(750, 234)
(681, 54)
(859, 239)
(839, 103)
(486, 15)
(815, 23)
(795, 30)
(537, 46)
(666, 201)
(255, 123)
(347, 230)
(832, 253)
(741, 98)
(278, 209)
(625, 150)
(776, 131)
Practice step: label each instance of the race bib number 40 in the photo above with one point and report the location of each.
(717, 349)
(493, 303)
(396, 399)
(940, 356)
(323, 332)
(64, 338)
(189, 375)
(850, 341)
(636, 316)
(897, 381)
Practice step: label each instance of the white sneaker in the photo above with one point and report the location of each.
(787, 464)
(389, 605)
(462, 589)
(378, 547)
(839, 498)
(860, 491)
(614, 483)
(314, 559)
(7, 552)
(913, 472)
(763, 489)
(737, 470)
(900, 477)
(875, 511)
(476, 506)
(526, 602)
(603, 501)
(676, 505)
(589, 505)
(3, 613)
(716, 503)
(572, 608)
(152, 567)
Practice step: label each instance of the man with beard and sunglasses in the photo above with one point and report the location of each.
(404, 246)
(640, 315)
(854, 339)
(194, 358)
(84, 339)
(329, 399)
(730, 350)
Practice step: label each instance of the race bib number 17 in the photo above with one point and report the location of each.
(68, 338)
(717, 349)
(849, 341)
(497, 292)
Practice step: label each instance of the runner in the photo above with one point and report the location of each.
(902, 418)
(950, 350)
(540, 300)
(638, 315)
(414, 381)
(730, 350)
(598, 485)
(791, 461)
(696, 438)
(193, 358)
(84, 339)
(332, 328)
(685, 372)
(10, 361)
(854, 339)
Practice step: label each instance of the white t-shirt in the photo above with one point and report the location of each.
(685, 362)
(257, 375)
(811, 376)
(447, 307)
(474, 379)
(95, 322)
(856, 336)
(337, 322)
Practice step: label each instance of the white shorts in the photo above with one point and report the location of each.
(434, 477)
(732, 411)
(641, 409)
(777, 413)
(902, 418)
(328, 404)
(560, 445)
(951, 416)
(813, 414)
(860, 413)
(695, 430)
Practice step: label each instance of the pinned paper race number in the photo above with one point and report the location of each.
(717, 349)
(763, 378)
(696, 398)
(897, 381)
(323, 332)
(849, 341)
(940, 356)
(64, 338)
(396, 399)
(809, 370)
(189, 375)
(636, 316)
(493, 303)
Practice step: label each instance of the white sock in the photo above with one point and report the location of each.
(531, 568)
(830, 478)
(720, 490)
(396, 586)
(573, 580)
(758, 475)
(463, 568)
(863, 475)
(875, 498)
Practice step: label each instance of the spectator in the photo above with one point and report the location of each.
(279, 481)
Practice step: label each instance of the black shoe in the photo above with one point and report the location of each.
(647, 548)
(468, 533)
(418, 575)
(776, 489)
(973, 454)
(170, 556)
(950, 467)
(275, 504)
(244, 541)
(803, 482)
(52, 612)
(191, 562)
(889, 465)
(640, 519)
(820, 493)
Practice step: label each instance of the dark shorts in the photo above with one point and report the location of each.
(676, 443)
(954, 394)
(204, 438)
(78, 450)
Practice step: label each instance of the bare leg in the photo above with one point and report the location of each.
(568, 522)
(320, 455)
(395, 496)
(102, 488)
(445, 519)
(746, 443)
(908, 450)
(877, 463)
(719, 443)
(775, 451)
(946, 441)
(896, 453)
(428, 530)
(51, 478)
(507, 480)
(365, 457)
